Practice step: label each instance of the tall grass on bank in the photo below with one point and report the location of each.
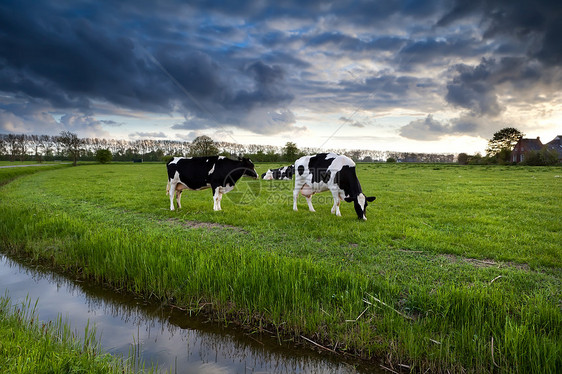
(9, 174)
(28, 345)
(411, 289)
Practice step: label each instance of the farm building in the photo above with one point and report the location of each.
(556, 145)
(526, 145)
(523, 146)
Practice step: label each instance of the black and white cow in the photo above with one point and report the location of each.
(198, 173)
(284, 173)
(329, 171)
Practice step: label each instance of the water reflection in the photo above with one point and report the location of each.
(168, 337)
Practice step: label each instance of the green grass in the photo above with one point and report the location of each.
(457, 268)
(9, 174)
(28, 345)
(15, 163)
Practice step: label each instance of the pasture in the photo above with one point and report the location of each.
(457, 267)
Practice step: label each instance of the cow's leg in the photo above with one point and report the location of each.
(309, 202)
(296, 192)
(171, 192)
(217, 199)
(178, 198)
(295, 198)
(336, 206)
(221, 193)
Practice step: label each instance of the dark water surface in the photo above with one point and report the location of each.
(171, 338)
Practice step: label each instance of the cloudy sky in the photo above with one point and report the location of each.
(409, 75)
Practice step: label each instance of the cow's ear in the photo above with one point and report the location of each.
(371, 198)
(349, 199)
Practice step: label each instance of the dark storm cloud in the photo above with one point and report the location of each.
(475, 87)
(387, 84)
(550, 52)
(250, 64)
(111, 123)
(68, 61)
(429, 129)
(537, 25)
(352, 122)
(386, 90)
(424, 129)
(349, 43)
(473, 90)
(434, 50)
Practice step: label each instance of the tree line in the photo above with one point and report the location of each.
(500, 148)
(68, 146)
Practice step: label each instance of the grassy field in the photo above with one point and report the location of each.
(11, 173)
(31, 346)
(458, 268)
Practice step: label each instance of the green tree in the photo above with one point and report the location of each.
(203, 146)
(503, 140)
(103, 156)
(462, 158)
(290, 152)
(72, 144)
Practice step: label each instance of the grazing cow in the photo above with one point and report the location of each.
(198, 173)
(284, 173)
(329, 171)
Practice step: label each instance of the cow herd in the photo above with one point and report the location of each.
(313, 174)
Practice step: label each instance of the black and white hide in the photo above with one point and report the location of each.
(283, 173)
(198, 173)
(329, 172)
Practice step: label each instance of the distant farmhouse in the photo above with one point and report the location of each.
(524, 146)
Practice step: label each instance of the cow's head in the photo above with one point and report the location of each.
(268, 175)
(248, 166)
(360, 203)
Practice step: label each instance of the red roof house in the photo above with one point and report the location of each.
(556, 145)
(523, 146)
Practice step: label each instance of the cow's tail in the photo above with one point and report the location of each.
(168, 188)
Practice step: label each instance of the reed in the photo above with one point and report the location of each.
(457, 268)
(32, 346)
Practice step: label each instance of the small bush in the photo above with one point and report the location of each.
(462, 158)
(103, 156)
(544, 157)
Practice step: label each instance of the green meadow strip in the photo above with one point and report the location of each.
(8, 174)
(435, 279)
(28, 345)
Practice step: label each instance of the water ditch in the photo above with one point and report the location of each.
(169, 338)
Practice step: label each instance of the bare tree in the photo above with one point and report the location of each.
(21, 146)
(40, 143)
(72, 144)
(3, 148)
(15, 146)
